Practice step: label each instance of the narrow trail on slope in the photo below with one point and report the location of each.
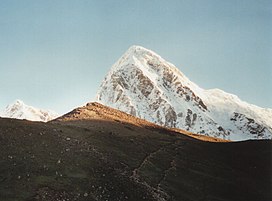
(172, 165)
(158, 192)
(135, 174)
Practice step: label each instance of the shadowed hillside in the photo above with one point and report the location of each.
(98, 153)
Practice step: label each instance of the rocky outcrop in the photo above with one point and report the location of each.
(257, 130)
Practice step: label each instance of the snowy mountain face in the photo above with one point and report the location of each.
(19, 110)
(143, 84)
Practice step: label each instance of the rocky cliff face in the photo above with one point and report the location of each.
(143, 84)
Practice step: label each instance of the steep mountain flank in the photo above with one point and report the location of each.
(143, 84)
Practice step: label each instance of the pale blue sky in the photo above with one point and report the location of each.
(54, 54)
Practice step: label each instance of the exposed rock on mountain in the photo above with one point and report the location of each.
(143, 84)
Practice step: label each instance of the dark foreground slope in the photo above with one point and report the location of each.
(96, 153)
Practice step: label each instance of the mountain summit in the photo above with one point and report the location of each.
(19, 110)
(145, 85)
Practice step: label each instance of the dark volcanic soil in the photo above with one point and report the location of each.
(97, 153)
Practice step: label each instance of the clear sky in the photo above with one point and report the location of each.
(55, 53)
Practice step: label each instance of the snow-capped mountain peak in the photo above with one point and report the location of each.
(18, 102)
(143, 84)
(19, 110)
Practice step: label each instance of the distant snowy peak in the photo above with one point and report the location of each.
(19, 110)
(145, 85)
